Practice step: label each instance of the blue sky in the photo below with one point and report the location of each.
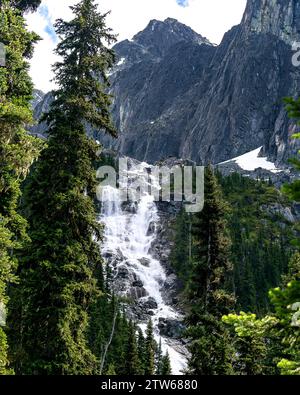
(210, 18)
(183, 3)
(49, 29)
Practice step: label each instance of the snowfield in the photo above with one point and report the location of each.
(251, 161)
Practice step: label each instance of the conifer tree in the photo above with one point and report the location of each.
(25, 5)
(212, 250)
(58, 274)
(252, 341)
(150, 347)
(111, 370)
(17, 149)
(287, 312)
(132, 360)
(141, 351)
(209, 348)
(166, 369)
(293, 108)
(159, 358)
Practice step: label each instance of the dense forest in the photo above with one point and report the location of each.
(239, 261)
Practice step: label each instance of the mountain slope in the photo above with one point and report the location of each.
(230, 101)
(178, 95)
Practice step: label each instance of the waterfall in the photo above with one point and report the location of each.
(128, 237)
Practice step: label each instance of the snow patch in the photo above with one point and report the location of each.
(121, 62)
(251, 161)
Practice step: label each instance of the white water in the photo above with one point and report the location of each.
(128, 233)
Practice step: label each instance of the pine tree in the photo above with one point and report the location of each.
(210, 353)
(141, 351)
(159, 358)
(211, 245)
(132, 360)
(58, 274)
(17, 149)
(166, 369)
(149, 350)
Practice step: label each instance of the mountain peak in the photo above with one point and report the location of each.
(159, 36)
(171, 20)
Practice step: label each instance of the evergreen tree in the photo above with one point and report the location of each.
(141, 351)
(159, 359)
(211, 245)
(210, 353)
(17, 149)
(132, 360)
(25, 5)
(111, 370)
(181, 253)
(166, 369)
(287, 312)
(58, 274)
(293, 108)
(150, 347)
(252, 339)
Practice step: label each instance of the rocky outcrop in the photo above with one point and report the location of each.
(171, 328)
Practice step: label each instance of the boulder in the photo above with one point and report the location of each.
(171, 328)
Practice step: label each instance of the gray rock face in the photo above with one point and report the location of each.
(38, 97)
(171, 328)
(280, 18)
(178, 95)
(40, 106)
(209, 103)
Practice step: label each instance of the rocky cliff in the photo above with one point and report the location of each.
(178, 95)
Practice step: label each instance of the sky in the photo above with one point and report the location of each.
(210, 18)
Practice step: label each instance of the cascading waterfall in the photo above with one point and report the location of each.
(129, 235)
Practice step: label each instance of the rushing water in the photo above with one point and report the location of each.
(127, 235)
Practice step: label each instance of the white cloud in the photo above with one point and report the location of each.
(211, 18)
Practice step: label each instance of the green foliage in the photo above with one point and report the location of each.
(51, 317)
(17, 150)
(251, 341)
(131, 352)
(166, 365)
(181, 253)
(293, 109)
(261, 241)
(210, 265)
(287, 311)
(150, 347)
(159, 359)
(22, 5)
(209, 348)
(141, 342)
(82, 74)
